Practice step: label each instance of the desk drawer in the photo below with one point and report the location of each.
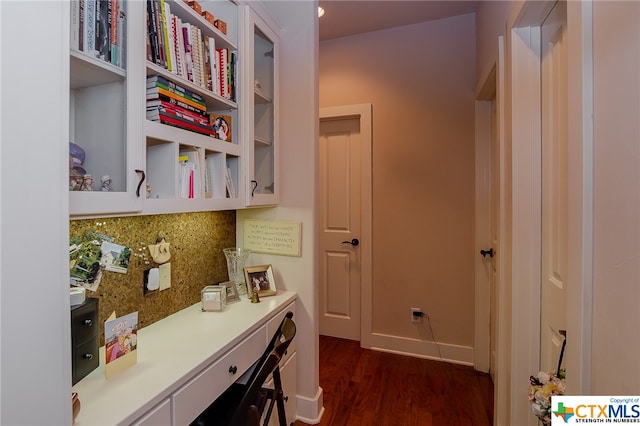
(84, 321)
(160, 415)
(199, 393)
(85, 358)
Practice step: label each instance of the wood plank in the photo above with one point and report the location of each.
(365, 387)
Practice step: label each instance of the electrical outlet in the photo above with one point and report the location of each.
(416, 318)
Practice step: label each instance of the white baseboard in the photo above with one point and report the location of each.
(422, 349)
(310, 410)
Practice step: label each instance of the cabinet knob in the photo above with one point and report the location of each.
(233, 369)
(286, 399)
(87, 356)
(87, 322)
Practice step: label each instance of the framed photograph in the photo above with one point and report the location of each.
(260, 280)
(232, 291)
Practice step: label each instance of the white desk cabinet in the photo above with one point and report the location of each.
(185, 361)
(158, 416)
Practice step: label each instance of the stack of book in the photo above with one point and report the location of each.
(98, 29)
(183, 49)
(171, 104)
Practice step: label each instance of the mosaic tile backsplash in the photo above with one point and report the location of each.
(196, 242)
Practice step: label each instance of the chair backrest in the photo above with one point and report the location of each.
(277, 337)
(266, 366)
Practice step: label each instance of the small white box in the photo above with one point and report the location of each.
(214, 298)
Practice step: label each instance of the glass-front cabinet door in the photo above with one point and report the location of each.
(106, 106)
(262, 114)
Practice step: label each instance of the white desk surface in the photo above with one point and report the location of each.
(170, 352)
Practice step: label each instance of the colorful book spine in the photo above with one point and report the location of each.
(115, 14)
(90, 25)
(198, 116)
(185, 124)
(185, 94)
(186, 35)
(181, 53)
(154, 114)
(154, 92)
(165, 13)
(161, 82)
(81, 29)
(155, 100)
(224, 73)
(177, 69)
(102, 46)
(122, 24)
(159, 32)
(153, 32)
(214, 66)
(196, 49)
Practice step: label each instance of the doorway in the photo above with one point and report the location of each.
(487, 220)
(344, 217)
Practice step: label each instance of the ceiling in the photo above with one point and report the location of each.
(348, 17)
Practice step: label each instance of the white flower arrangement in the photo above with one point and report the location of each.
(542, 387)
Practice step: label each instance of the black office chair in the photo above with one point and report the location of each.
(248, 400)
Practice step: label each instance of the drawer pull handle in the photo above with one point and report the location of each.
(286, 399)
(233, 369)
(87, 356)
(87, 322)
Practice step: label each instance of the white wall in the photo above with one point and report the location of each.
(491, 21)
(616, 264)
(35, 342)
(298, 140)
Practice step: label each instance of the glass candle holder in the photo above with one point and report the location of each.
(236, 260)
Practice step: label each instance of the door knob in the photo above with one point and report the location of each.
(489, 252)
(353, 242)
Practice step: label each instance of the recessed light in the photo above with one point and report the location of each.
(320, 12)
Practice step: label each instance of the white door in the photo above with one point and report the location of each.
(554, 249)
(339, 218)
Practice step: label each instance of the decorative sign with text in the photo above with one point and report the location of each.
(272, 237)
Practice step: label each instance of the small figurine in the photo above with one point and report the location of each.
(87, 183)
(106, 183)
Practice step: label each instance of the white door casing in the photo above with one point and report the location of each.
(555, 219)
(345, 216)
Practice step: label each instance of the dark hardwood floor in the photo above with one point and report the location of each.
(365, 387)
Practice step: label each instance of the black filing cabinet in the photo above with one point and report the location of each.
(85, 339)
